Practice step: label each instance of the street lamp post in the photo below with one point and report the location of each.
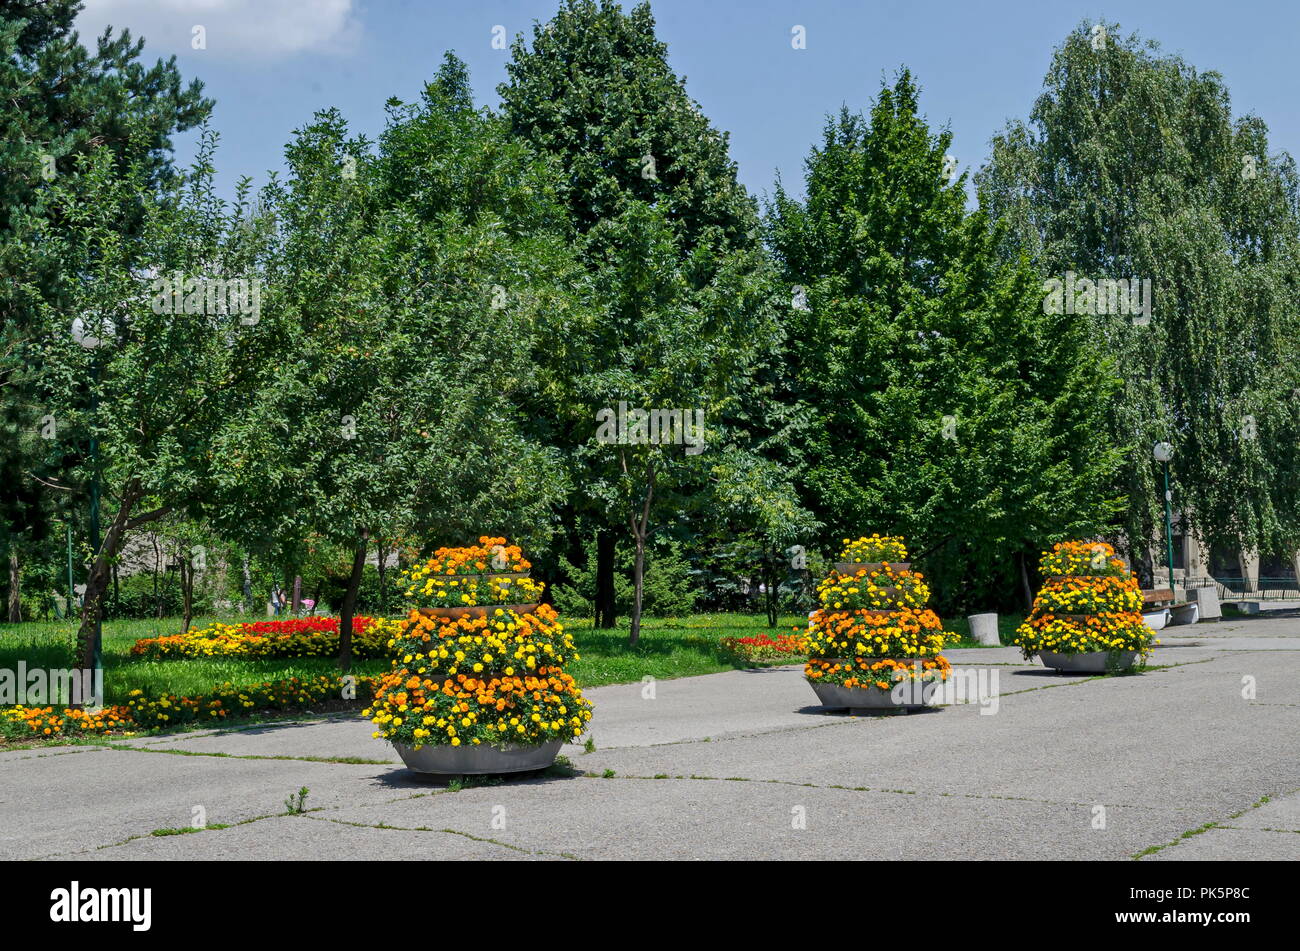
(90, 339)
(1163, 452)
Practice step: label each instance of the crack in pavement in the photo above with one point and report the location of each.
(477, 838)
(659, 777)
(338, 760)
(1216, 824)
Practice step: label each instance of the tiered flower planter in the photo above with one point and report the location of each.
(1087, 618)
(873, 645)
(478, 688)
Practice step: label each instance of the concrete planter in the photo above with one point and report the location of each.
(984, 629)
(853, 699)
(1093, 662)
(478, 760)
(1156, 620)
(1207, 600)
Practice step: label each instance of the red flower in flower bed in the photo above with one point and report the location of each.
(292, 637)
(766, 647)
(305, 625)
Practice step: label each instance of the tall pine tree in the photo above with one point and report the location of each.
(947, 406)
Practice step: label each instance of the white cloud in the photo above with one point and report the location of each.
(235, 29)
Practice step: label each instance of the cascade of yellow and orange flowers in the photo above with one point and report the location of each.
(477, 662)
(873, 628)
(1089, 602)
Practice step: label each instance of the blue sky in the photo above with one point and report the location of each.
(271, 63)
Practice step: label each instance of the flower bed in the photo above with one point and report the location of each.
(53, 721)
(294, 637)
(1089, 604)
(143, 712)
(763, 647)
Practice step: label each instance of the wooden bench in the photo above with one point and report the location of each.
(1180, 612)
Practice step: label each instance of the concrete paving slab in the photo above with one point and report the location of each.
(1173, 737)
(1232, 845)
(331, 738)
(695, 819)
(61, 804)
(305, 839)
(1164, 752)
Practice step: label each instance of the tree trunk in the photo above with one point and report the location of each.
(606, 545)
(638, 580)
(381, 553)
(349, 605)
(639, 531)
(15, 597)
(157, 557)
(1024, 581)
(248, 587)
(187, 590)
(297, 595)
(770, 584)
(92, 609)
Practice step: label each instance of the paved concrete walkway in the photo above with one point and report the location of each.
(742, 765)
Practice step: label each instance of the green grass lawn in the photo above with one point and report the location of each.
(669, 647)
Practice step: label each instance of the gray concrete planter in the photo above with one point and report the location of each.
(984, 629)
(1156, 620)
(1093, 662)
(469, 760)
(853, 699)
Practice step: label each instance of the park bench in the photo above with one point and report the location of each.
(1160, 603)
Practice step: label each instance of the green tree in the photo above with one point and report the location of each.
(146, 409)
(594, 92)
(668, 364)
(61, 102)
(418, 289)
(945, 405)
(1132, 165)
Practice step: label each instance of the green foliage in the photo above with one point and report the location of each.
(941, 403)
(595, 91)
(670, 584)
(402, 410)
(63, 104)
(679, 310)
(1131, 164)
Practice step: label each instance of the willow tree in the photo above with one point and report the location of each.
(1132, 165)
